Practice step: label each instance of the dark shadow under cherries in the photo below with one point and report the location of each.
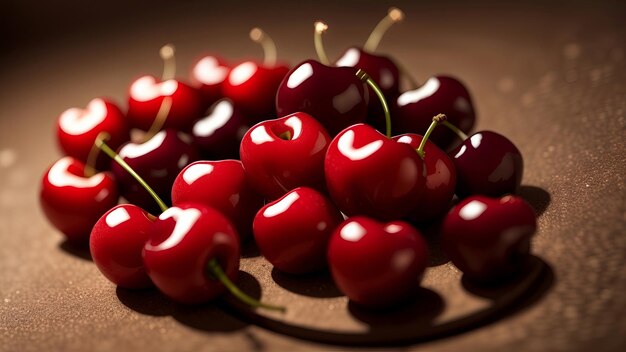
(319, 284)
(78, 250)
(537, 197)
(249, 249)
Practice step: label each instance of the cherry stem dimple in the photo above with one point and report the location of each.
(169, 62)
(437, 119)
(456, 130)
(216, 270)
(320, 28)
(92, 157)
(394, 15)
(363, 76)
(269, 47)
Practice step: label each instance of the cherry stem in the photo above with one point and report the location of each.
(169, 62)
(118, 159)
(320, 28)
(159, 120)
(456, 130)
(363, 76)
(216, 270)
(92, 157)
(269, 47)
(394, 15)
(440, 118)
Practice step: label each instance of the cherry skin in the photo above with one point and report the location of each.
(184, 239)
(218, 135)
(158, 161)
(489, 238)
(147, 94)
(117, 242)
(282, 154)
(414, 109)
(77, 130)
(440, 179)
(293, 232)
(221, 185)
(252, 87)
(333, 95)
(377, 264)
(370, 174)
(487, 163)
(208, 76)
(72, 201)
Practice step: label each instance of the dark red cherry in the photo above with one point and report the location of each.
(219, 133)
(221, 185)
(208, 76)
(183, 241)
(77, 130)
(414, 109)
(282, 154)
(377, 264)
(74, 201)
(333, 95)
(489, 238)
(487, 163)
(117, 242)
(370, 174)
(158, 161)
(293, 232)
(440, 179)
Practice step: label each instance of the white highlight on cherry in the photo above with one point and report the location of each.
(221, 114)
(259, 135)
(461, 151)
(476, 139)
(242, 73)
(195, 171)
(472, 210)
(413, 96)
(300, 75)
(347, 149)
(349, 59)
(393, 228)
(209, 71)
(146, 88)
(296, 124)
(60, 176)
(185, 220)
(352, 232)
(77, 121)
(281, 206)
(117, 217)
(132, 150)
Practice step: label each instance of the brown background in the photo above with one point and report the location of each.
(550, 76)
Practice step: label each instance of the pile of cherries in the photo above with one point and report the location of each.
(313, 181)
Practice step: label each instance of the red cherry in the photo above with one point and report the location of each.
(73, 201)
(158, 161)
(487, 163)
(117, 242)
(222, 185)
(440, 179)
(147, 94)
(208, 76)
(293, 232)
(184, 241)
(333, 95)
(377, 264)
(219, 133)
(370, 174)
(440, 94)
(487, 238)
(282, 154)
(77, 129)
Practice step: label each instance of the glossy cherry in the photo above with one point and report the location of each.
(377, 264)
(117, 242)
(184, 240)
(333, 95)
(489, 238)
(221, 185)
(282, 154)
(414, 109)
(370, 174)
(158, 161)
(77, 130)
(208, 76)
(73, 201)
(487, 163)
(219, 133)
(440, 179)
(293, 232)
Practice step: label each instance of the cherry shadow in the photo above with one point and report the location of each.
(147, 302)
(249, 249)
(319, 284)
(537, 197)
(432, 234)
(78, 250)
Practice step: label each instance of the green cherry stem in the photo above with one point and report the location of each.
(455, 129)
(363, 76)
(394, 15)
(320, 28)
(440, 118)
(269, 47)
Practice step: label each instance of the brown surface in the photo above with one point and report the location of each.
(552, 79)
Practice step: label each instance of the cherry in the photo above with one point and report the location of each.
(487, 163)
(282, 154)
(208, 76)
(74, 200)
(440, 94)
(219, 133)
(370, 174)
(77, 130)
(221, 185)
(377, 264)
(488, 238)
(293, 232)
(116, 243)
(159, 159)
(147, 96)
